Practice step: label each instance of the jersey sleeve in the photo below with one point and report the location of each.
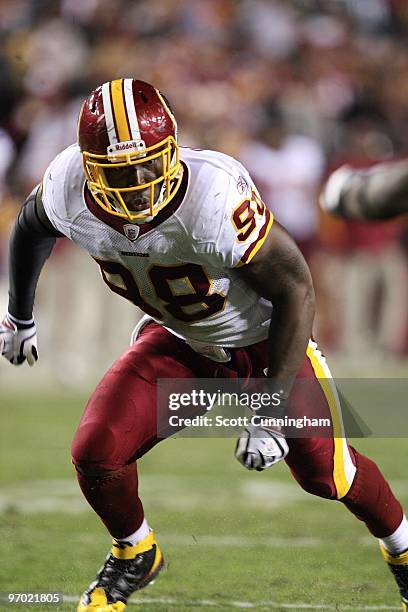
(245, 224)
(53, 194)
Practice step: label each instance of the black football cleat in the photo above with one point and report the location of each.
(126, 569)
(398, 565)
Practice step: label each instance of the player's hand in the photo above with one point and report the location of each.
(259, 448)
(18, 340)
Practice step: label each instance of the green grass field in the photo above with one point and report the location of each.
(231, 538)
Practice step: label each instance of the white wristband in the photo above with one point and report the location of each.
(21, 321)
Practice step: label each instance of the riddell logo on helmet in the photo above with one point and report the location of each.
(129, 145)
(124, 145)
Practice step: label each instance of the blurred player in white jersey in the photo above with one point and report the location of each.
(183, 235)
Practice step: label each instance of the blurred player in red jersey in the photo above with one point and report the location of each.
(366, 193)
(183, 235)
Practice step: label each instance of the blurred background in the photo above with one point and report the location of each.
(291, 88)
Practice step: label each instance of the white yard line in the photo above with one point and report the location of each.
(271, 605)
(63, 494)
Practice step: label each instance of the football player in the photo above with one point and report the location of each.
(380, 192)
(184, 235)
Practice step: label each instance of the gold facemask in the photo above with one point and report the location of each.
(161, 189)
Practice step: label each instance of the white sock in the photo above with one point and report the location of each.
(138, 535)
(397, 542)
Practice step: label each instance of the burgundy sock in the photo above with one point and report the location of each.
(371, 500)
(115, 499)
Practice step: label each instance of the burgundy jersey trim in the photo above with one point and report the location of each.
(117, 223)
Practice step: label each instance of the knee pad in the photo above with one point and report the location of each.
(93, 449)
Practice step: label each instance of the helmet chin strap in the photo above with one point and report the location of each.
(141, 221)
(118, 208)
(113, 202)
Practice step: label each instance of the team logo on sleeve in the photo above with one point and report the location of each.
(131, 231)
(242, 185)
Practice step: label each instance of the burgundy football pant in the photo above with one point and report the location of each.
(119, 425)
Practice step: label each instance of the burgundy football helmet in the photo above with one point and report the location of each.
(127, 134)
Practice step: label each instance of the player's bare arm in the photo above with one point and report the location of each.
(280, 274)
(31, 243)
(381, 192)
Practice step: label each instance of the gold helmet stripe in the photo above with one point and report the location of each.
(119, 110)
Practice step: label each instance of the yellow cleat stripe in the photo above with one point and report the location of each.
(157, 561)
(117, 607)
(401, 559)
(130, 552)
(99, 603)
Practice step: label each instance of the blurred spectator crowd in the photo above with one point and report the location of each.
(293, 88)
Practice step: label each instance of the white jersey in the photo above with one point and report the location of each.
(181, 267)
